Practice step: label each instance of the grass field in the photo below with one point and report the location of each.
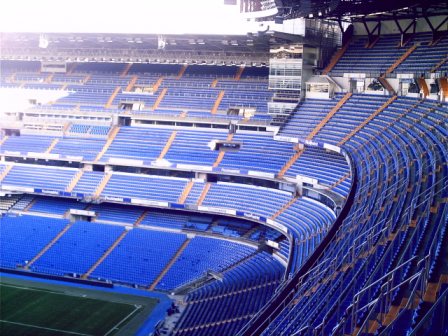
(40, 311)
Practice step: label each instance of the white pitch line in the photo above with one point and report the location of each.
(38, 327)
(30, 288)
(124, 319)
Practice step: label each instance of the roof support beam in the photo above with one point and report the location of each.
(373, 34)
(405, 36)
(437, 34)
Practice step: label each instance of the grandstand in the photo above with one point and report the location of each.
(261, 184)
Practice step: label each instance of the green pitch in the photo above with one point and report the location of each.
(37, 311)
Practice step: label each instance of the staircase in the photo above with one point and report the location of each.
(2, 141)
(371, 43)
(290, 162)
(219, 158)
(126, 69)
(214, 83)
(338, 182)
(204, 193)
(5, 172)
(170, 263)
(285, 207)
(218, 102)
(436, 40)
(74, 181)
(157, 84)
(86, 78)
(438, 65)
(221, 152)
(66, 128)
(8, 202)
(49, 245)
(385, 83)
(141, 218)
(185, 192)
(72, 68)
(336, 57)
(113, 133)
(239, 73)
(422, 84)
(365, 122)
(64, 86)
(49, 78)
(112, 97)
(167, 145)
(30, 205)
(443, 82)
(52, 145)
(105, 254)
(401, 59)
(198, 329)
(386, 318)
(433, 289)
(182, 71)
(102, 185)
(131, 84)
(12, 79)
(159, 99)
(329, 115)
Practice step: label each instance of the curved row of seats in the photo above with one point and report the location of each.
(57, 247)
(377, 59)
(401, 162)
(307, 221)
(243, 291)
(259, 153)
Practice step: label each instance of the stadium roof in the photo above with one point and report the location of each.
(354, 10)
(137, 48)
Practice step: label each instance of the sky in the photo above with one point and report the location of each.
(132, 16)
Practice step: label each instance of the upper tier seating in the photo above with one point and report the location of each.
(254, 148)
(189, 143)
(157, 69)
(145, 187)
(71, 147)
(112, 68)
(41, 177)
(255, 72)
(376, 60)
(88, 182)
(92, 87)
(307, 116)
(210, 71)
(128, 144)
(26, 143)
